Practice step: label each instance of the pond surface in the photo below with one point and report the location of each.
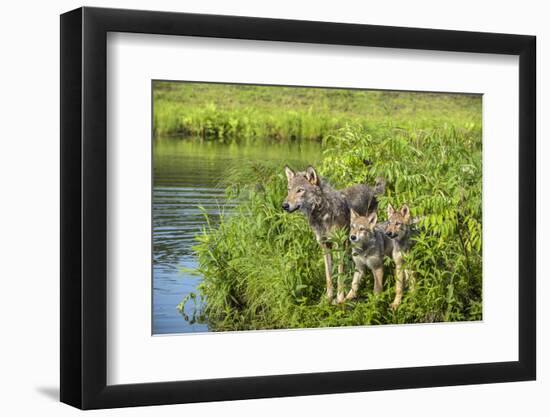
(187, 176)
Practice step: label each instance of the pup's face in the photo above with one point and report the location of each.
(301, 186)
(361, 227)
(398, 221)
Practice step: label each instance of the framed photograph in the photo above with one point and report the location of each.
(257, 208)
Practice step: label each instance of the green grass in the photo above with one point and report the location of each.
(242, 113)
(262, 267)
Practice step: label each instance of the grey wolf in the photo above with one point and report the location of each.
(369, 245)
(398, 228)
(328, 210)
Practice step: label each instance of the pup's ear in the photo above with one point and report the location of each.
(372, 219)
(405, 212)
(353, 214)
(289, 173)
(311, 176)
(390, 210)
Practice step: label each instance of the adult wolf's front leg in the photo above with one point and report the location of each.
(327, 257)
(410, 279)
(340, 295)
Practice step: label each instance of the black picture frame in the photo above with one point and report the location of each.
(84, 207)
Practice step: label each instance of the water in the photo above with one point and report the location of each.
(187, 176)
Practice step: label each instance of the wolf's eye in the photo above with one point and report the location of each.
(300, 190)
(398, 223)
(362, 229)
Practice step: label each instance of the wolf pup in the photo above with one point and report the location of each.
(369, 245)
(328, 210)
(398, 228)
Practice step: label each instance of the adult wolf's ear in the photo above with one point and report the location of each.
(405, 212)
(391, 210)
(353, 214)
(289, 173)
(311, 176)
(380, 186)
(372, 218)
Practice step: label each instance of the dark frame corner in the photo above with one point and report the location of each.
(83, 207)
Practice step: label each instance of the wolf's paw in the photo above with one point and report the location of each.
(340, 299)
(351, 296)
(395, 305)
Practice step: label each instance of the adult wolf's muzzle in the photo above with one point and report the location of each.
(286, 207)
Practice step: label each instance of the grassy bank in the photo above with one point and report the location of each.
(262, 267)
(242, 113)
